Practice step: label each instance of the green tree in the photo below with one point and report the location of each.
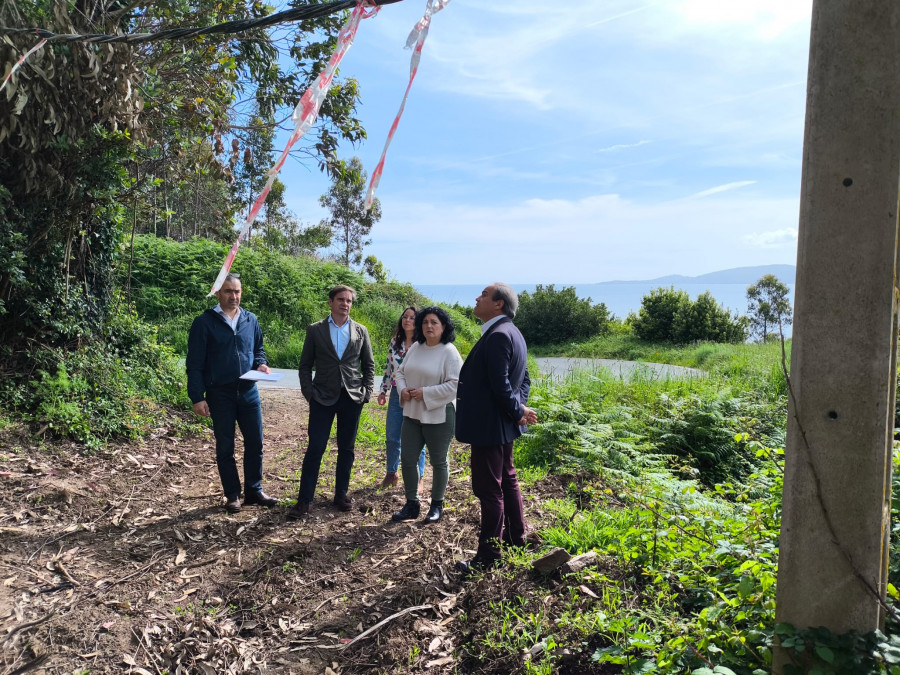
(768, 306)
(350, 222)
(655, 321)
(551, 317)
(375, 269)
(669, 315)
(704, 320)
(148, 152)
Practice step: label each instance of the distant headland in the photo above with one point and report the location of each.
(734, 275)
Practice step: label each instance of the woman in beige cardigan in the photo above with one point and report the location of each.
(427, 381)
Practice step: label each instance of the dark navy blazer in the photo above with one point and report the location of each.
(493, 387)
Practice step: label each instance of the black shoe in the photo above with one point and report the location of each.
(299, 510)
(410, 511)
(343, 502)
(474, 566)
(434, 513)
(260, 499)
(233, 504)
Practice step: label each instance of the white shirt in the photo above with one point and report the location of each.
(231, 322)
(490, 322)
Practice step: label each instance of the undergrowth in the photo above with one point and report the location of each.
(114, 386)
(677, 489)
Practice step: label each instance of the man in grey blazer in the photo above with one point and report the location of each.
(339, 350)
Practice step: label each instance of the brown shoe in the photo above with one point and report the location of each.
(299, 511)
(260, 499)
(343, 502)
(390, 480)
(233, 505)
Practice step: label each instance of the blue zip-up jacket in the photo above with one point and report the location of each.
(217, 356)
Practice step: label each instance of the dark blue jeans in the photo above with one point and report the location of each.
(228, 405)
(321, 418)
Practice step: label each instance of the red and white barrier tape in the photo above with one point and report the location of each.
(304, 116)
(21, 61)
(415, 41)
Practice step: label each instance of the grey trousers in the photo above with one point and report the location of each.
(436, 438)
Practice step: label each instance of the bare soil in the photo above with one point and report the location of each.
(125, 561)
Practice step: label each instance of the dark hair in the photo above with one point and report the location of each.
(509, 297)
(231, 276)
(398, 331)
(340, 289)
(449, 334)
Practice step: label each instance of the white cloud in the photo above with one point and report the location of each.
(622, 146)
(772, 238)
(762, 19)
(593, 239)
(721, 188)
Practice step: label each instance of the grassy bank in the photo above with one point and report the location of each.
(750, 366)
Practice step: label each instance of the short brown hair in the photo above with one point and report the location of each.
(340, 288)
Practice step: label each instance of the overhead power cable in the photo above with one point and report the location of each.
(237, 26)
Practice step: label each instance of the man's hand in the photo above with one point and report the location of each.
(263, 368)
(530, 417)
(201, 408)
(382, 399)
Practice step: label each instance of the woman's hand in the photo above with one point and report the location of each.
(381, 398)
(416, 394)
(405, 395)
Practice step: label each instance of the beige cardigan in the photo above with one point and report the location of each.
(436, 371)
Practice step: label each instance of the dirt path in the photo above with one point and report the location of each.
(125, 562)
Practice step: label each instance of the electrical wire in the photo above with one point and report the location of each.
(237, 26)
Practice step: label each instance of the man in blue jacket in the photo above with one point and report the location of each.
(490, 414)
(224, 343)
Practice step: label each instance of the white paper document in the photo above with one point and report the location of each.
(260, 376)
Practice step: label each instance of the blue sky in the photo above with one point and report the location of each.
(580, 142)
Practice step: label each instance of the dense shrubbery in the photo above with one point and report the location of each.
(551, 317)
(170, 280)
(667, 315)
(112, 386)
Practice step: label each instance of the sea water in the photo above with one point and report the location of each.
(620, 298)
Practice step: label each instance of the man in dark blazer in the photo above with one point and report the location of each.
(341, 353)
(490, 415)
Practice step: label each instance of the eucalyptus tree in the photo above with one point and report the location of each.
(99, 139)
(349, 220)
(768, 306)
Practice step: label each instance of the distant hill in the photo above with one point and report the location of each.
(735, 275)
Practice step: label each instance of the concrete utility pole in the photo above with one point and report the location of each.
(836, 521)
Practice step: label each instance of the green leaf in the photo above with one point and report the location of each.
(825, 653)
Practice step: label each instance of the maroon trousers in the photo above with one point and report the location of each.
(495, 484)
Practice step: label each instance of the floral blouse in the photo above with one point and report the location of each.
(394, 359)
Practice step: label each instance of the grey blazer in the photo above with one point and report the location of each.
(355, 372)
